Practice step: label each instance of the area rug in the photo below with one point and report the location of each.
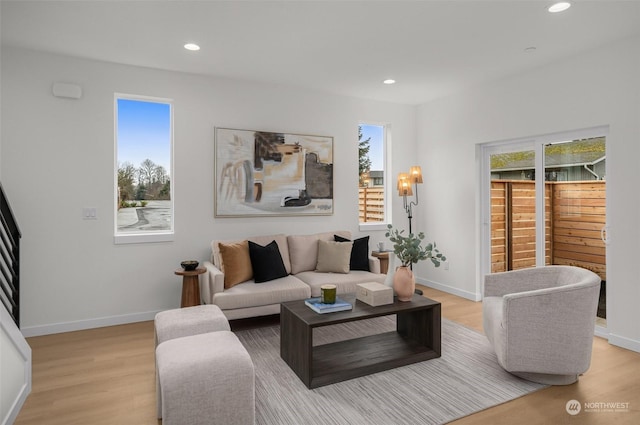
(465, 380)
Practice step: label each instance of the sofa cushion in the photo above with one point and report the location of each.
(359, 253)
(280, 239)
(276, 291)
(333, 256)
(346, 283)
(236, 263)
(303, 249)
(266, 262)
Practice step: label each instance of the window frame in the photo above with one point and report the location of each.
(143, 236)
(386, 153)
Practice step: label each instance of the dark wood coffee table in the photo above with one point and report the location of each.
(417, 338)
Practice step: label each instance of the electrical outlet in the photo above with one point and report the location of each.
(446, 265)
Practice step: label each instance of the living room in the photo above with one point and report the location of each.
(57, 157)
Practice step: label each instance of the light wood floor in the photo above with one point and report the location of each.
(106, 376)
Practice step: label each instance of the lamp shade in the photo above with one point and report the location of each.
(401, 177)
(415, 174)
(404, 185)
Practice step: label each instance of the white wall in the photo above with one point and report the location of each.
(600, 87)
(57, 157)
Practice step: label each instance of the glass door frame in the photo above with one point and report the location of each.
(483, 200)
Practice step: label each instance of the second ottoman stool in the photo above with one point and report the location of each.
(181, 322)
(206, 379)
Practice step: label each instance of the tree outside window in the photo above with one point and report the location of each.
(143, 158)
(371, 172)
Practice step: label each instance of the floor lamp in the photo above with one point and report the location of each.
(404, 189)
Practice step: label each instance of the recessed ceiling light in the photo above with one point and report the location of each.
(389, 81)
(530, 49)
(191, 46)
(559, 7)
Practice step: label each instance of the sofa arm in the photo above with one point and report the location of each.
(212, 282)
(374, 265)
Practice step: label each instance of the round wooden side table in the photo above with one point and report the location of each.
(383, 256)
(190, 286)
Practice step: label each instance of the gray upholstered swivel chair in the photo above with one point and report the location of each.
(540, 321)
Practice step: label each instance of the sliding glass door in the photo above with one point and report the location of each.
(513, 209)
(575, 174)
(544, 202)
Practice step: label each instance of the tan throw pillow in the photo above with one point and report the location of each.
(303, 252)
(333, 256)
(236, 263)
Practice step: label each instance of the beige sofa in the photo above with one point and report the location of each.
(300, 255)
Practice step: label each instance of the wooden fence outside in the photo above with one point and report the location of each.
(574, 217)
(371, 204)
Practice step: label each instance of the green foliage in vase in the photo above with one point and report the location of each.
(409, 250)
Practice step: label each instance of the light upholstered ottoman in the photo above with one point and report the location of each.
(189, 321)
(206, 379)
(181, 322)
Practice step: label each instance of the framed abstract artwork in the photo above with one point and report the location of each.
(259, 173)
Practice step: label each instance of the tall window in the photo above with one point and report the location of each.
(372, 179)
(144, 139)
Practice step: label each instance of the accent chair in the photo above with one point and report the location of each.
(541, 321)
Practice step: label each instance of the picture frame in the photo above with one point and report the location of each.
(261, 173)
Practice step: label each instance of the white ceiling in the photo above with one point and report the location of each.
(432, 48)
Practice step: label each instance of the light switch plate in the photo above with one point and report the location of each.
(89, 213)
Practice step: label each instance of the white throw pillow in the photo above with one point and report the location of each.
(333, 256)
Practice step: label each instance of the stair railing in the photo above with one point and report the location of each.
(9, 260)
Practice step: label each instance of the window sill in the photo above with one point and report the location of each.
(370, 227)
(142, 238)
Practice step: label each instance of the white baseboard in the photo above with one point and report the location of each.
(601, 331)
(449, 289)
(624, 342)
(88, 324)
